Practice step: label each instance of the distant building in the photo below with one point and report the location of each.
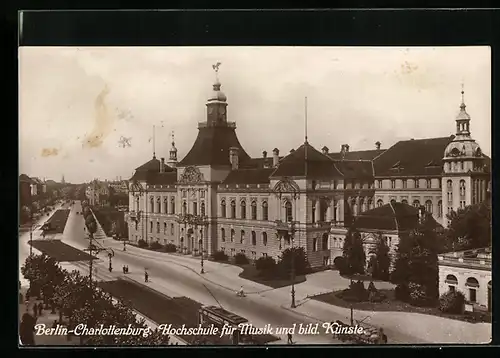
(468, 272)
(25, 190)
(307, 198)
(38, 187)
(97, 193)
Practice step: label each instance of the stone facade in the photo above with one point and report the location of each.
(469, 273)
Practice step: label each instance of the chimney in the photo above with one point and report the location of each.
(162, 165)
(264, 154)
(377, 145)
(276, 157)
(325, 150)
(233, 157)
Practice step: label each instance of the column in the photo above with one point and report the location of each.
(329, 211)
(341, 210)
(317, 212)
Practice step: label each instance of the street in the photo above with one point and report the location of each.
(177, 275)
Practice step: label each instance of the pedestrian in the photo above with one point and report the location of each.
(126, 269)
(146, 276)
(289, 335)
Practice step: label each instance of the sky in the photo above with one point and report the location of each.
(77, 103)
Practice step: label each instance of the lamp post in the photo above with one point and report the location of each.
(194, 220)
(292, 236)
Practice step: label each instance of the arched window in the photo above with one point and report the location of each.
(315, 244)
(472, 282)
(462, 189)
(243, 209)
(451, 279)
(449, 184)
(440, 208)
(288, 211)
(404, 201)
(242, 236)
(233, 209)
(172, 205)
(428, 206)
(165, 205)
(324, 242)
(361, 205)
(157, 227)
(232, 235)
(254, 210)
(223, 234)
(265, 211)
(416, 203)
(393, 201)
(354, 207)
(264, 238)
(172, 229)
(195, 208)
(158, 205)
(370, 203)
(254, 238)
(137, 204)
(202, 208)
(223, 208)
(380, 203)
(150, 226)
(184, 208)
(164, 228)
(182, 242)
(152, 205)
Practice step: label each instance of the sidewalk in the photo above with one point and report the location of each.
(46, 318)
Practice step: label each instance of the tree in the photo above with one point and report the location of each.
(293, 257)
(354, 252)
(382, 261)
(416, 266)
(470, 227)
(44, 275)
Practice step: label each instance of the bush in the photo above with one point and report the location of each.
(340, 264)
(155, 245)
(265, 265)
(142, 243)
(170, 248)
(295, 258)
(220, 256)
(417, 294)
(401, 293)
(240, 259)
(452, 302)
(355, 293)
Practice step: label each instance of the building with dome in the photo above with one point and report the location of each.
(219, 198)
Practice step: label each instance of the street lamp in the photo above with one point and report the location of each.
(292, 237)
(194, 220)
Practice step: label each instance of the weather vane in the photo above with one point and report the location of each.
(216, 69)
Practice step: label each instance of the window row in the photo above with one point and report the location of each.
(404, 183)
(243, 210)
(416, 203)
(184, 193)
(158, 227)
(157, 206)
(194, 208)
(253, 236)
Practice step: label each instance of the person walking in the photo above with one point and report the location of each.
(290, 341)
(126, 269)
(146, 276)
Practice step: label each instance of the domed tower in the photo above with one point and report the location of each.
(216, 104)
(172, 157)
(465, 177)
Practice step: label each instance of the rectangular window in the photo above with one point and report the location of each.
(195, 208)
(172, 229)
(393, 184)
(405, 183)
(451, 288)
(379, 184)
(429, 184)
(472, 295)
(417, 184)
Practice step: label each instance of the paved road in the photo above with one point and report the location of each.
(177, 275)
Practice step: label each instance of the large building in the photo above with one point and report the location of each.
(468, 272)
(97, 193)
(219, 198)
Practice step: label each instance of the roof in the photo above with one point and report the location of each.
(249, 176)
(358, 155)
(161, 178)
(318, 164)
(359, 169)
(412, 157)
(211, 147)
(153, 164)
(25, 178)
(395, 216)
